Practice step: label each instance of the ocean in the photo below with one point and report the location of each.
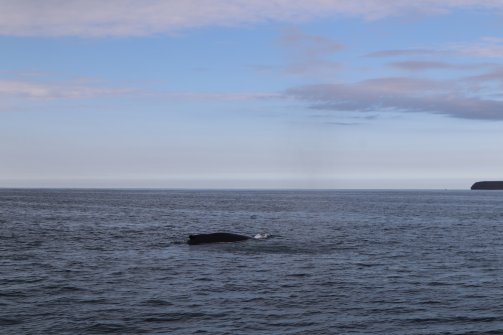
(337, 262)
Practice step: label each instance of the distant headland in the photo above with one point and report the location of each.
(488, 185)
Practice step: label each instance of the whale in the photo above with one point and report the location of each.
(215, 238)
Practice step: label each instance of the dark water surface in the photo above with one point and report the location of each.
(340, 262)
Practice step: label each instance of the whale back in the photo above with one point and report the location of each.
(215, 238)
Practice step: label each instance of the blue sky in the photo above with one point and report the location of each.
(251, 94)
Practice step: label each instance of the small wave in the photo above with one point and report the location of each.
(456, 319)
(438, 283)
(14, 294)
(107, 328)
(287, 249)
(489, 332)
(299, 275)
(156, 302)
(63, 289)
(9, 322)
(172, 317)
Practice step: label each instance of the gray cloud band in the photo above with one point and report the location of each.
(364, 97)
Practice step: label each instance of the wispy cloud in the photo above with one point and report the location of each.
(66, 90)
(88, 89)
(307, 46)
(435, 65)
(309, 54)
(95, 18)
(494, 75)
(487, 47)
(216, 96)
(404, 52)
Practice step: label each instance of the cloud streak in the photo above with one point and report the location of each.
(74, 90)
(415, 66)
(95, 18)
(32, 89)
(488, 47)
(217, 96)
(404, 53)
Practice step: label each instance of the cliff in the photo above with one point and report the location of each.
(488, 185)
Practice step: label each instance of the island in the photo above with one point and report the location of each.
(488, 185)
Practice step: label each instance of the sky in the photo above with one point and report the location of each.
(318, 94)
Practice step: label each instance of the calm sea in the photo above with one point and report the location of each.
(338, 262)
